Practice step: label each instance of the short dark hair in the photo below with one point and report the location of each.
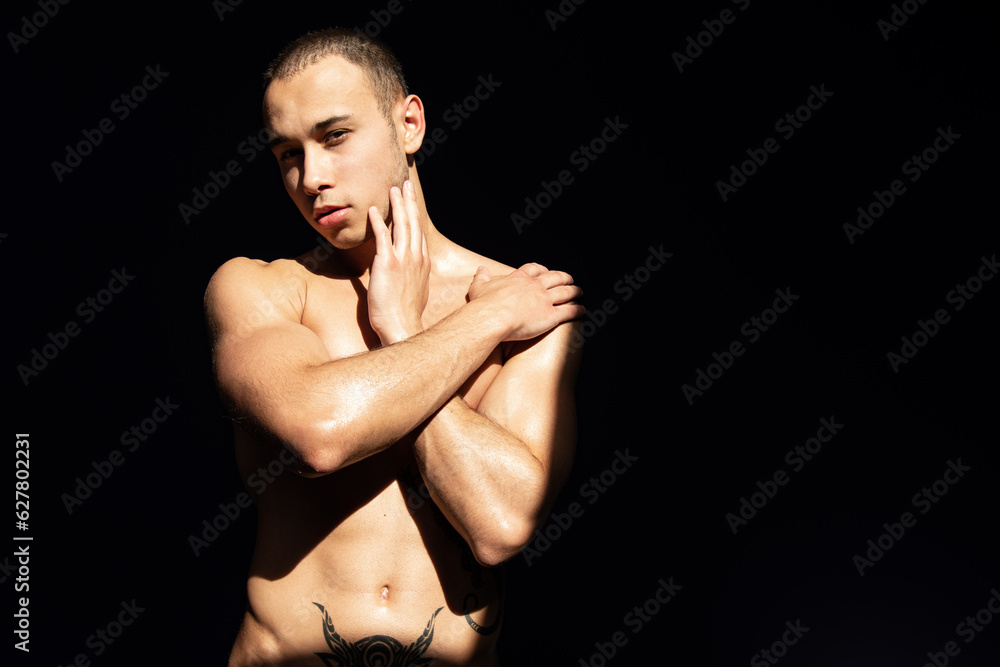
(380, 66)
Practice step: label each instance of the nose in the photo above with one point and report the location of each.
(317, 171)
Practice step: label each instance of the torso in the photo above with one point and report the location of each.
(361, 562)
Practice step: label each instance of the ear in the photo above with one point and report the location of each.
(413, 123)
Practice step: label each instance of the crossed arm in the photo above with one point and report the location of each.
(494, 470)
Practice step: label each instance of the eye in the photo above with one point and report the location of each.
(289, 154)
(335, 137)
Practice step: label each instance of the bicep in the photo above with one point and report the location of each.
(259, 345)
(257, 371)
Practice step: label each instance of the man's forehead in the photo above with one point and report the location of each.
(332, 86)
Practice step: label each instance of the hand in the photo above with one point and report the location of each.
(400, 274)
(532, 299)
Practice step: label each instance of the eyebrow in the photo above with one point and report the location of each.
(332, 120)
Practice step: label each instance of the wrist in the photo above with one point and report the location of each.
(398, 332)
(489, 320)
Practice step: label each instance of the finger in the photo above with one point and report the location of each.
(555, 278)
(379, 230)
(413, 216)
(571, 311)
(400, 224)
(533, 269)
(565, 294)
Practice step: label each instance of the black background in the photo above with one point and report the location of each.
(655, 185)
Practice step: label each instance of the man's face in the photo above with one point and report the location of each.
(337, 153)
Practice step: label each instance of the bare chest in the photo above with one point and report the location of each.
(337, 311)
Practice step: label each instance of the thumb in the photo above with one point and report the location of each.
(482, 275)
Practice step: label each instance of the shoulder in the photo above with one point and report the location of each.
(465, 263)
(253, 271)
(242, 284)
(254, 274)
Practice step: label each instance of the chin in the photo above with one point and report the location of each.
(344, 238)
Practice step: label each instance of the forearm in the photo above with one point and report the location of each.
(486, 481)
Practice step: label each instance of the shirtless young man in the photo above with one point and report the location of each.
(423, 394)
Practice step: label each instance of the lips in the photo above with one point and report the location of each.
(328, 216)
